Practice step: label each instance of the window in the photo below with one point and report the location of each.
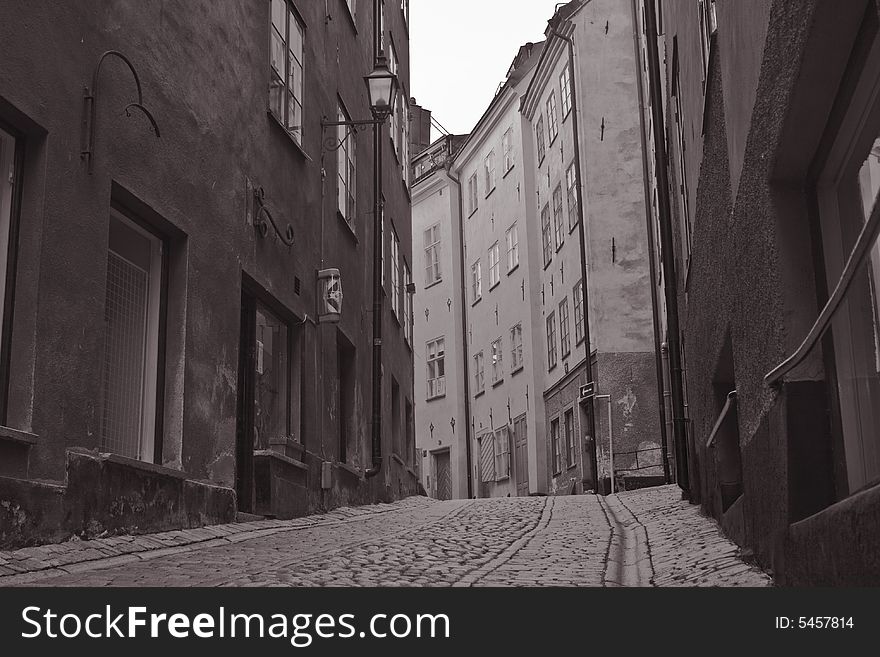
(557, 454)
(507, 149)
(394, 119)
(395, 273)
(558, 217)
(497, 361)
(578, 296)
(436, 359)
(516, 348)
(847, 193)
(286, 83)
(9, 182)
(571, 186)
(489, 170)
(551, 341)
(502, 454)
(565, 90)
(564, 334)
(345, 168)
(404, 7)
(432, 255)
(131, 350)
(479, 373)
(494, 265)
(708, 26)
(552, 118)
(539, 134)
(547, 235)
(472, 194)
(476, 281)
(382, 24)
(570, 442)
(407, 305)
(512, 248)
(352, 7)
(406, 164)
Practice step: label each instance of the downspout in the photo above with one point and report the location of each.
(464, 353)
(652, 263)
(378, 218)
(666, 243)
(591, 420)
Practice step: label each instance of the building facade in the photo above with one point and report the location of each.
(440, 377)
(496, 180)
(165, 362)
(772, 122)
(583, 107)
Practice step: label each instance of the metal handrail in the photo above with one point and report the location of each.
(722, 416)
(857, 258)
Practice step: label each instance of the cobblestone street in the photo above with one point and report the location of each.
(642, 538)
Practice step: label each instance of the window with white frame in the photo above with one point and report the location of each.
(395, 118)
(547, 235)
(472, 194)
(708, 27)
(494, 265)
(552, 354)
(479, 373)
(512, 248)
(432, 255)
(552, 118)
(404, 7)
(476, 282)
(558, 217)
(406, 167)
(407, 305)
(564, 331)
(507, 149)
(502, 454)
(382, 24)
(131, 348)
(578, 296)
(352, 7)
(436, 359)
(345, 169)
(489, 171)
(395, 273)
(9, 181)
(497, 361)
(516, 348)
(556, 448)
(565, 90)
(287, 36)
(571, 187)
(539, 135)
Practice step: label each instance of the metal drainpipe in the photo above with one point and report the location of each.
(652, 263)
(591, 420)
(464, 355)
(667, 246)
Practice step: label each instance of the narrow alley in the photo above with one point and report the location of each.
(641, 538)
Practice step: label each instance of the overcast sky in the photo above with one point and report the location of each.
(460, 51)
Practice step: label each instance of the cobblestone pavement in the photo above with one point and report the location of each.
(634, 539)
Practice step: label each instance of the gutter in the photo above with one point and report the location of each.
(464, 354)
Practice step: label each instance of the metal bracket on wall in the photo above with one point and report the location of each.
(263, 219)
(90, 107)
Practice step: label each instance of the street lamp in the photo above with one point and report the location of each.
(382, 86)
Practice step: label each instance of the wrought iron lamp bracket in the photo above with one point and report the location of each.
(90, 107)
(332, 143)
(263, 219)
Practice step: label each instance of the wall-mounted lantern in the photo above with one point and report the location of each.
(329, 296)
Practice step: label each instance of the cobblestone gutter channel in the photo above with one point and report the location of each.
(629, 554)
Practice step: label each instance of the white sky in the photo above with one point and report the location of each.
(460, 51)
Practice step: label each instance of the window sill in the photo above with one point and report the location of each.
(473, 212)
(435, 398)
(479, 394)
(490, 192)
(566, 354)
(430, 285)
(351, 229)
(573, 465)
(398, 459)
(571, 229)
(559, 247)
(507, 172)
(517, 370)
(476, 301)
(497, 383)
(17, 436)
(351, 18)
(557, 473)
(567, 114)
(502, 479)
(541, 160)
(553, 140)
(547, 264)
(269, 454)
(579, 342)
(512, 270)
(494, 286)
(293, 140)
(552, 367)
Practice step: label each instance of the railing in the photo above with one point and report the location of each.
(857, 258)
